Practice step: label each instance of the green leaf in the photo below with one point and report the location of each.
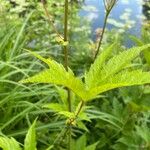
(30, 140)
(9, 144)
(56, 107)
(147, 55)
(67, 114)
(131, 141)
(92, 147)
(120, 61)
(102, 75)
(81, 143)
(106, 76)
(113, 66)
(138, 107)
(95, 69)
(94, 114)
(57, 75)
(82, 126)
(83, 116)
(144, 133)
(125, 78)
(140, 43)
(62, 94)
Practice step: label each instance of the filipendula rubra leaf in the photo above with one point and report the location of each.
(102, 75)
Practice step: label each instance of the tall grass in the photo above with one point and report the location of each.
(21, 104)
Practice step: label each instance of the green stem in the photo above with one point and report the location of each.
(102, 35)
(68, 129)
(66, 63)
(66, 34)
(108, 8)
(66, 47)
(49, 19)
(81, 104)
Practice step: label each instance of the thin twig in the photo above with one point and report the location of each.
(50, 20)
(101, 37)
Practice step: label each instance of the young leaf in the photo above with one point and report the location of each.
(30, 140)
(9, 144)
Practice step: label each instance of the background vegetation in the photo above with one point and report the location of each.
(117, 119)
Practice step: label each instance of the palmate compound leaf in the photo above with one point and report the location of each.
(9, 144)
(102, 76)
(100, 71)
(56, 74)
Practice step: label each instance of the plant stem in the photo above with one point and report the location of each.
(102, 35)
(66, 47)
(79, 109)
(49, 19)
(66, 34)
(66, 63)
(68, 129)
(108, 8)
